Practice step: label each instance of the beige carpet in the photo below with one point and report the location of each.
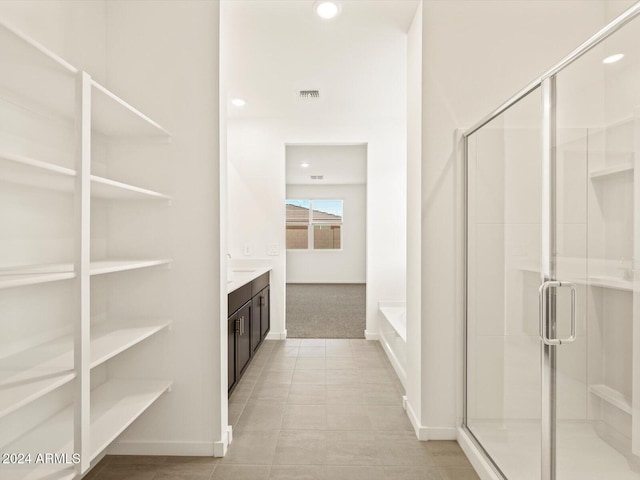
(326, 310)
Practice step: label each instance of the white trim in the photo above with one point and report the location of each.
(478, 462)
(428, 433)
(395, 363)
(192, 449)
(441, 433)
(371, 335)
(229, 434)
(277, 335)
(421, 432)
(220, 448)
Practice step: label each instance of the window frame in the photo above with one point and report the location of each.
(311, 224)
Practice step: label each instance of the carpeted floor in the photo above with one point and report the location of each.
(325, 310)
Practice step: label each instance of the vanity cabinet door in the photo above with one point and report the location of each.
(264, 313)
(243, 344)
(231, 352)
(256, 338)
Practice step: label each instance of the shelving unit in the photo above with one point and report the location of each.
(605, 172)
(35, 173)
(612, 397)
(116, 118)
(102, 267)
(98, 405)
(41, 369)
(34, 274)
(611, 311)
(115, 405)
(110, 189)
(593, 280)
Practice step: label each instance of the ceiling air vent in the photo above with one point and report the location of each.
(317, 177)
(309, 95)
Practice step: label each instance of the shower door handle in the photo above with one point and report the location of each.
(543, 295)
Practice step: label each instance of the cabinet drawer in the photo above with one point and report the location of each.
(238, 297)
(259, 284)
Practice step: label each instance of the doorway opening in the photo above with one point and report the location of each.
(326, 240)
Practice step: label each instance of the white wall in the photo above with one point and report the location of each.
(347, 265)
(164, 55)
(76, 31)
(468, 69)
(414, 210)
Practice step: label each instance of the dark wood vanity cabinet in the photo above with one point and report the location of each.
(248, 323)
(265, 325)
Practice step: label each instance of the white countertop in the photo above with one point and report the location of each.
(239, 276)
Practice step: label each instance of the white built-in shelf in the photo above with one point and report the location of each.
(608, 171)
(34, 274)
(36, 173)
(24, 387)
(30, 374)
(111, 338)
(613, 283)
(612, 396)
(110, 189)
(42, 82)
(101, 267)
(114, 117)
(35, 78)
(115, 405)
(593, 280)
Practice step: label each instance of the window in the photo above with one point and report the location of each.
(314, 224)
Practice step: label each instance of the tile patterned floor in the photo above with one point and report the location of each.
(311, 410)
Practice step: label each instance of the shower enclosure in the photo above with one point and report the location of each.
(552, 324)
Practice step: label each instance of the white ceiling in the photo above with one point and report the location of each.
(340, 164)
(271, 49)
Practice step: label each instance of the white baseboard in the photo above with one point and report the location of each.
(189, 449)
(371, 336)
(395, 363)
(478, 462)
(442, 433)
(277, 335)
(220, 448)
(425, 433)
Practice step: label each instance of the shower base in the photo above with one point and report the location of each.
(581, 453)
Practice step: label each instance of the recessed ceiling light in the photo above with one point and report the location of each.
(613, 58)
(304, 165)
(326, 9)
(238, 102)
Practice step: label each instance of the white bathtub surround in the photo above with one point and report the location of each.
(393, 336)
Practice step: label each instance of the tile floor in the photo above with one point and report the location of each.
(311, 410)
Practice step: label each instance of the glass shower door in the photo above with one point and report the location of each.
(597, 427)
(503, 277)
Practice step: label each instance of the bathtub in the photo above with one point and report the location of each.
(393, 335)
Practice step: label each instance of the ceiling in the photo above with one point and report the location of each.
(338, 164)
(272, 49)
